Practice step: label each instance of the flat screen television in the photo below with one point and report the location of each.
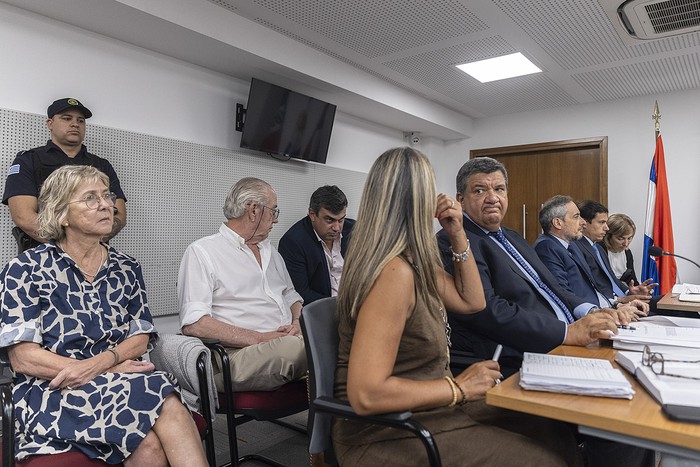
(286, 123)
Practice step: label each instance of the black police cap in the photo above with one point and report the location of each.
(66, 103)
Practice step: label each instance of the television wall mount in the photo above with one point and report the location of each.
(240, 117)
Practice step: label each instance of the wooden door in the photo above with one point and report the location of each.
(536, 172)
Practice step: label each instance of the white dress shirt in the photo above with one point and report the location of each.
(220, 277)
(334, 261)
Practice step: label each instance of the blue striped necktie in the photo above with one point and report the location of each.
(616, 288)
(498, 235)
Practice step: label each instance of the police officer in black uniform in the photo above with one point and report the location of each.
(66, 123)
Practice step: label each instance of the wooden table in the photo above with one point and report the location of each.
(671, 302)
(639, 421)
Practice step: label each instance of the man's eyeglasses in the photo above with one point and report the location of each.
(656, 361)
(92, 201)
(275, 211)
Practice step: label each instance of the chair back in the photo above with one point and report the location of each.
(319, 324)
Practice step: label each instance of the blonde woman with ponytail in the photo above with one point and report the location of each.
(393, 351)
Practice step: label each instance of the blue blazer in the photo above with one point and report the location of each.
(571, 270)
(601, 279)
(306, 261)
(516, 314)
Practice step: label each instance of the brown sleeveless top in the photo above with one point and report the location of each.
(422, 355)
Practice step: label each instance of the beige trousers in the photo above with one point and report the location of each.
(264, 367)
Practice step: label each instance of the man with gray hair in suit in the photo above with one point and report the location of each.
(233, 286)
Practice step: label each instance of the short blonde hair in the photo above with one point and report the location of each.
(56, 193)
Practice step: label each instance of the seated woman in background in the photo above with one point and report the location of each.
(394, 342)
(621, 230)
(74, 319)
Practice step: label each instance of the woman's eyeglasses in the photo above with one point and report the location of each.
(92, 201)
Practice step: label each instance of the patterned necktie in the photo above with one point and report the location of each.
(616, 289)
(498, 235)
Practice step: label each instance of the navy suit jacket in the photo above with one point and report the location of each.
(516, 314)
(601, 279)
(572, 271)
(306, 262)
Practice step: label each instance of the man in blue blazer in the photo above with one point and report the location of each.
(314, 247)
(562, 223)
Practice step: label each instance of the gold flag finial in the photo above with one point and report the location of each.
(656, 116)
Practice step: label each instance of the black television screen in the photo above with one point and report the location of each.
(283, 122)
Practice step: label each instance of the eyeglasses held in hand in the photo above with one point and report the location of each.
(656, 361)
(92, 201)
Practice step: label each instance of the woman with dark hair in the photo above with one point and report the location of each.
(74, 321)
(394, 341)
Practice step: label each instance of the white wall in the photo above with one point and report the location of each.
(630, 131)
(130, 88)
(133, 89)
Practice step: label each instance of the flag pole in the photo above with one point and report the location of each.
(656, 116)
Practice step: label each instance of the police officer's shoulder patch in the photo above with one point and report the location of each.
(13, 169)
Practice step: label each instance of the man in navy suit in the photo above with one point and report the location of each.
(519, 313)
(594, 229)
(314, 247)
(562, 223)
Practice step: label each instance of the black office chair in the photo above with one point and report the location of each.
(243, 406)
(320, 327)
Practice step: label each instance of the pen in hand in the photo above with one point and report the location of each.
(497, 353)
(496, 356)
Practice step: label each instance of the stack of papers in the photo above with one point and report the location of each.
(573, 375)
(679, 397)
(687, 292)
(658, 338)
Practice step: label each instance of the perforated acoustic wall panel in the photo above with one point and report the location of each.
(175, 192)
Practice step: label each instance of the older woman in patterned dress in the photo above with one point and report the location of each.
(74, 320)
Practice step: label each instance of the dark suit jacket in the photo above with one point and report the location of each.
(516, 314)
(601, 279)
(572, 271)
(629, 274)
(306, 261)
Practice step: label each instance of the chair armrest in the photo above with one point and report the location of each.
(400, 420)
(342, 408)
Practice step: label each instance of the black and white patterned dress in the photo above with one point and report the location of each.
(45, 299)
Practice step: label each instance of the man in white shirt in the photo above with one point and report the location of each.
(233, 286)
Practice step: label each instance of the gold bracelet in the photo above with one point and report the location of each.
(454, 391)
(116, 356)
(464, 396)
